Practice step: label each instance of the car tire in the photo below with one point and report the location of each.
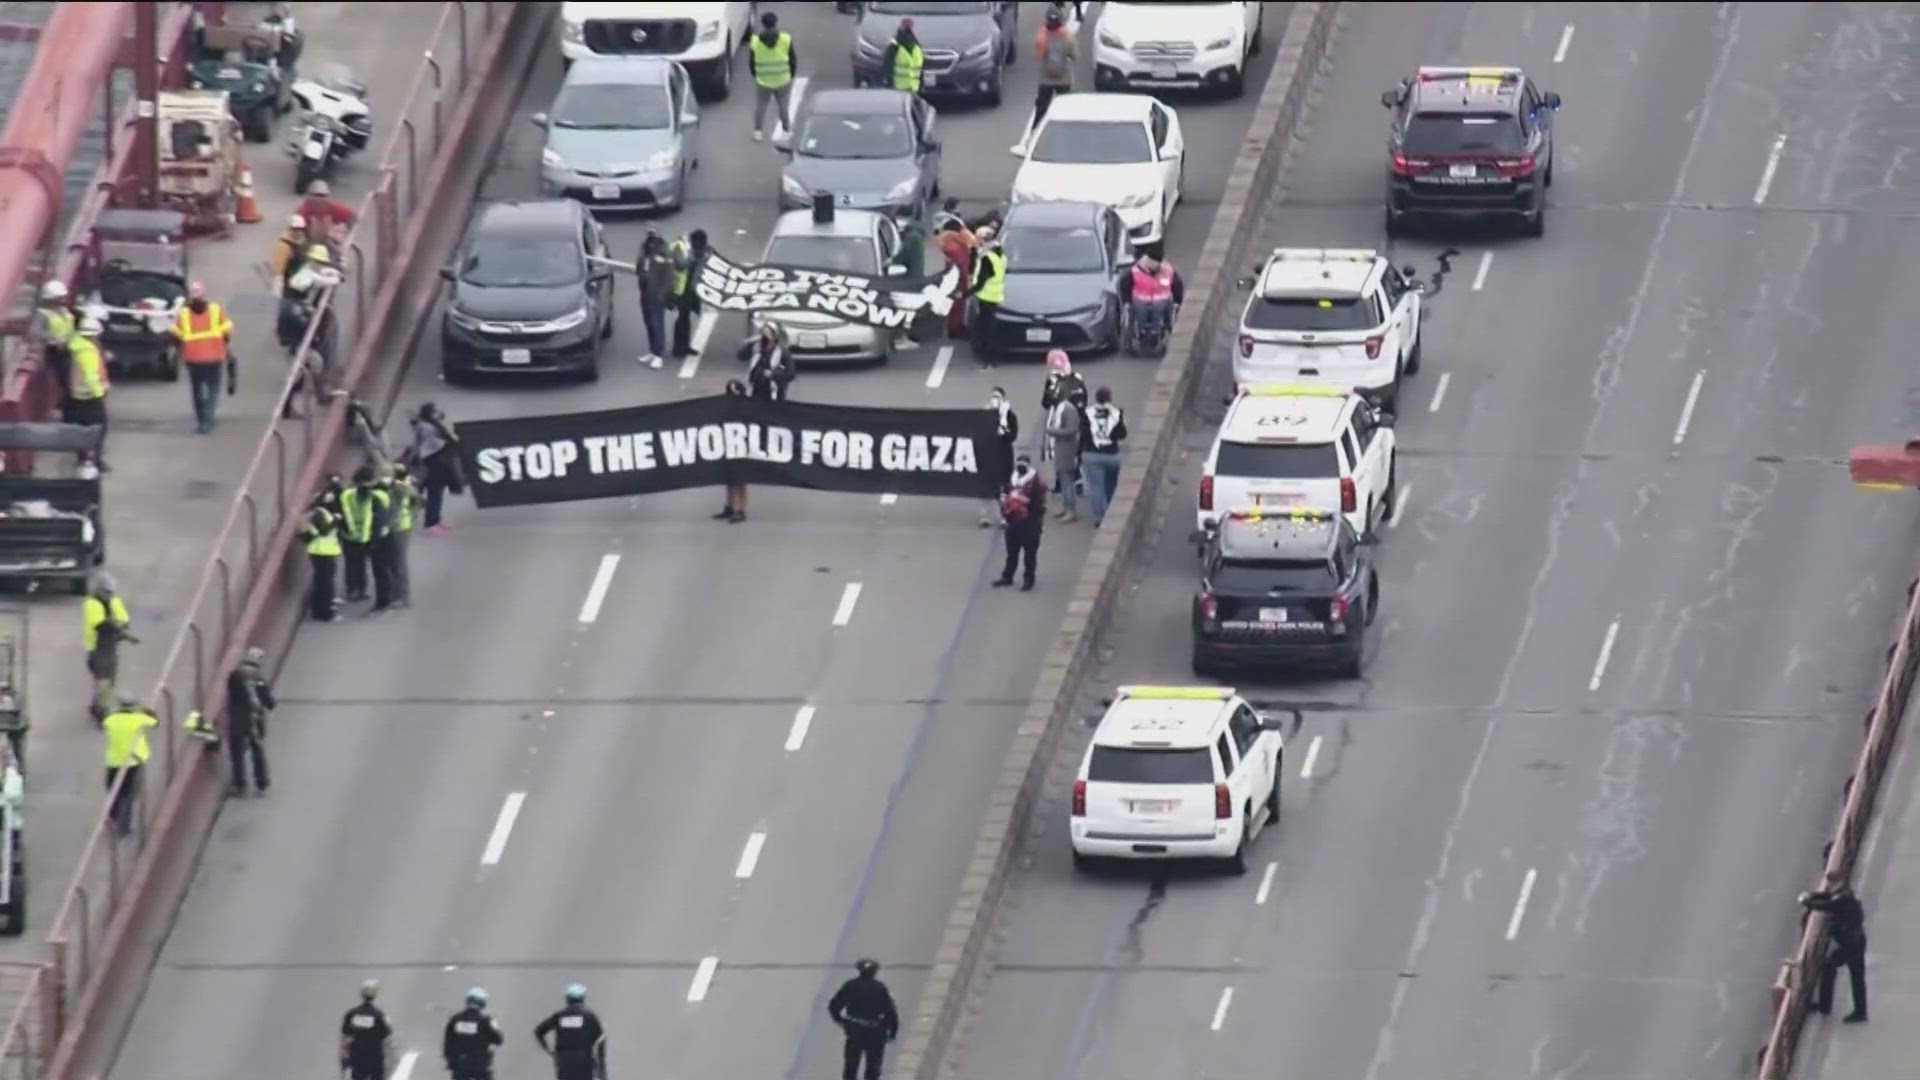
(1413, 357)
(1013, 50)
(1536, 223)
(1547, 178)
(1390, 401)
(1273, 797)
(995, 94)
(1259, 31)
(1082, 863)
(1237, 862)
(1373, 599)
(592, 373)
(1201, 669)
(716, 79)
(606, 328)
(1237, 82)
(453, 376)
(1355, 665)
(1394, 227)
(1390, 500)
(170, 368)
(258, 125)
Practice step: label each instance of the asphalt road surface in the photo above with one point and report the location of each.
(621, 744)
(1632, 610)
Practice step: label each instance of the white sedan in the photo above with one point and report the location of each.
(1124, 150)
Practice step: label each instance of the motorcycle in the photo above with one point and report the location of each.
(317, 148)
(338, 123)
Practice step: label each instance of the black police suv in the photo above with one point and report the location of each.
(1284, 591)
(527, 299)
(967, 44)
(1470, 143)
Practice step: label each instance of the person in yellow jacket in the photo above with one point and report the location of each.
(56, 326)
(289, 251)
(87, 382)
(774, 67)
(320, 531)
(104, 621)
(904, 60)
(127, 753)
(406, 504)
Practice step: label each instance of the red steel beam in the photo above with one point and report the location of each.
(48, 116)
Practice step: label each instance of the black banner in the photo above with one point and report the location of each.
(894, 303)
(719, 440)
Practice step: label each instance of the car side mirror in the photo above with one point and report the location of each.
(1385, 419)
(539, 119)
(447, 274)
(896, 270)
(1018, 150)
(1553, 100)
(1390, 99)
(1417, 286)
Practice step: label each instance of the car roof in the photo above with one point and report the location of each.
(1467, 89)
(533, 217)
(863, 224)
(859, 101)
(1164, 717)
(1319, 273)
(619, 71)
(1278, 534)
(1100, 107)
(1049, 213)
(1307, 415)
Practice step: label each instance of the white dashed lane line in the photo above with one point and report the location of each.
(1220, 1010)
(889, 499)
(849, 597)
(1686, 410)
(938, 374)
(403, 1069)
(802, 722)
(1313, 755)
(1480, 275)
(1520, 903)
(503, 828)
(1265, 891)
(1440, 392)
(1606, 654)
(1399, 505)
(1566, 39)
(1772, 167)
(597, 592)
(750, 856)
(702, 333)
(703, 979)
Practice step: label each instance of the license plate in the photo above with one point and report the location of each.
(1155, 806)
(810, 341)
(516, 356)
(229, 73)
(1165, 71)
(1462, 172)
(1040, 336)
(606, 191)
(1274, 615)
(1276, 498)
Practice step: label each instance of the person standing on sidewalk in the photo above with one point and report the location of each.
(1103, 436)
(249, 700)
(87, 383)
(56, 326)
(655, 273)
(435, 459)
(774, 68)
(127, 753)
(367, 512)
(206, 348)
(1065, 427)
(321, 532)
(1006, 433)
(104, 620)
(688, 253)
(1023, 507)
(1057, 51)
(1846, 946)
(406, 509)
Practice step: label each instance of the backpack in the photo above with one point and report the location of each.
(1015, 505)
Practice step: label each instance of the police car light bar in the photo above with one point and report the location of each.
(1177, 693)
(1291, 390)
(1354, 255)
(1502, 75)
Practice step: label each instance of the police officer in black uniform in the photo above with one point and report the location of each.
(864, 1010)
(1846, 946)
(579, 1043)
(470, 1040)
(365, 1037)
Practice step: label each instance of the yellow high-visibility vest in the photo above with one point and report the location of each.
(89, 370)
(907, 62)
(96, 613)
(772, 64)
(994, 289)
(127, 737)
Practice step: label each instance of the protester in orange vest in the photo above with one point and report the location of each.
(206, 347)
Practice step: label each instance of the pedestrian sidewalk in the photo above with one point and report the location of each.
(170, 490)
(1888, 883)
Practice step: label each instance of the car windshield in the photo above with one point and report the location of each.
(1463, 133)
(1091, 142)
(1131, 765)
(1266, 575)
(1277, 461)
(854, 137)
(978, 7)
(1053, 249)
(613, 107)
(522, 262)
(1310, 316)
(846, 254)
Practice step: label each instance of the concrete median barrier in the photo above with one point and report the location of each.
(964, 956)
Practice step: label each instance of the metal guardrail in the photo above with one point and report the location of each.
(1791, 987)
(189, 678)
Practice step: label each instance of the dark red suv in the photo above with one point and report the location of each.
(1470, 142)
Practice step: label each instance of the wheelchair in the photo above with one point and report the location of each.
(1148, 337)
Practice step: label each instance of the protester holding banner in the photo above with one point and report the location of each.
(688, 252)
(734, 511)
(956, 242)
(434, 458)
(770, 371)
(654, 270)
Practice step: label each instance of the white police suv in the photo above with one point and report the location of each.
(1342, 316)
(1293, 446)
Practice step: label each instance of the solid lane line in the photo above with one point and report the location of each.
(1566, 39)
(703, 979)
(1313, 755)
(1520, 904)
(940, 361)
(503, 828)
(849, 596)
(1399, 506)
(1686, 411)
(403, 1069)
(1266, 883)
(1440, 392)
(702, 333)
(750, 856)
(1220, 1010)
(597, 592)
(1480, 275)
(1606, 653)
(797, 734)
(1773, 166)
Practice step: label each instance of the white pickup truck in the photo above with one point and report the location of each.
(704, 37)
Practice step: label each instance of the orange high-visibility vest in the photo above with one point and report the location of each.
(203, 337)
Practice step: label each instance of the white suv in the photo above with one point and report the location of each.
(1177, 772)
(703, 37)
(1175, 45)
(1342, 316)
(1300, 446)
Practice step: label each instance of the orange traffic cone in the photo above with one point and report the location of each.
(246, 208)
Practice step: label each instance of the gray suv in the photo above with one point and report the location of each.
(967, 45)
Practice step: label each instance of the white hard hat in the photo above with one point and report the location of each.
(91, 326)
(54, 290)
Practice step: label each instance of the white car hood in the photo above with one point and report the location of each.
(1038, 180)
(1198, 23)
(582, 10)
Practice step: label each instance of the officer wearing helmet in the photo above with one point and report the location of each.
(366, 1038)
(574, 1039)
(863, 1008)
(249, 700)
(56, 326)
(470, 1040)
(87, 381)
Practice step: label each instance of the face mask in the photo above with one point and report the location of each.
(995, 401)
(198, 306)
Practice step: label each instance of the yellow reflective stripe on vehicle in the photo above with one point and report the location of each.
(1288, 390)
(1300, 513)
(1177, 693)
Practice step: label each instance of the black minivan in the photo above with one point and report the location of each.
(526, 297)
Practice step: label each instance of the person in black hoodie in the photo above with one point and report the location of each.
(1846, 946)
(1023, 509)
(771, 371)
(863, 1007)
(1103, 435)
(1008, 433)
